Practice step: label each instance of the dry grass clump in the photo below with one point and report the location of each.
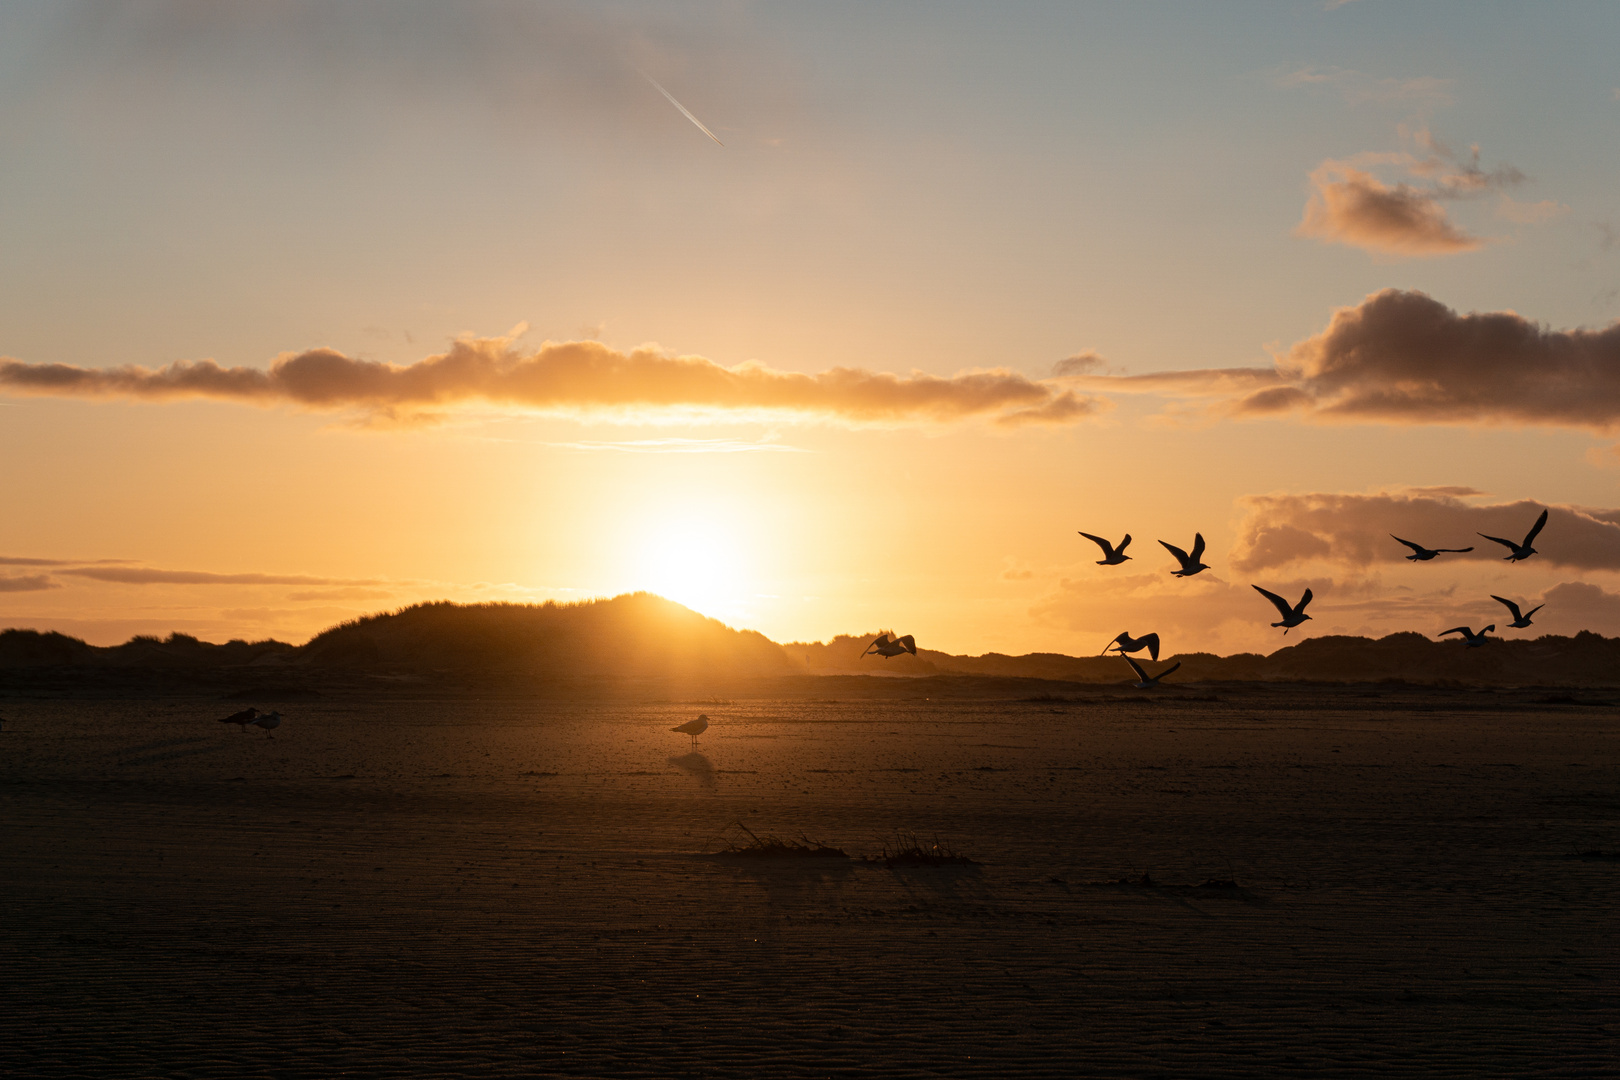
(774, 847)
(909, 851)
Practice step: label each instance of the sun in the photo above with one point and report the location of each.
(699, 561)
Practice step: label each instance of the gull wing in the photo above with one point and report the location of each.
(1125, 543)
(1454, 551)
(909, 642)
(1167, 671)
(1181, 556)
(1530, 536)
(1529, 613)
(1299, 609)
(1456, 630)
(1417, 549)
(1504, 543)
(882, 639)
(1140, 674)
(1198, 547)
(1283, 607)
(1152, 643)
(1511, 606)
(1107, 548)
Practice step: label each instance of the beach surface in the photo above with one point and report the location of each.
(1225, 880)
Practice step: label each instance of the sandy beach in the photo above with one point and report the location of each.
(1246, 880)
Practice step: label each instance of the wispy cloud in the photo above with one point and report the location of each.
(1360, 88)
(578, 378)
(27, 583)
(135, 575)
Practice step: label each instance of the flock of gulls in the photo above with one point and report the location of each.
(1290, 614)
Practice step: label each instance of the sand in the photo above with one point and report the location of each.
(509, 888)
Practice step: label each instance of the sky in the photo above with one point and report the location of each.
(311, 310)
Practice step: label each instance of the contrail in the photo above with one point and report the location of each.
(684, 110)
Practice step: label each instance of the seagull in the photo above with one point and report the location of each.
(1112, 556)
(1474, 640)
(886, 648)
(268, 721)
(693, 728)
(1190, 564)
(1423, 554)
(1524, 550)
(1520, 619)
(1126, 644)
(1292, 615)
(1142, 680)
(240, 719)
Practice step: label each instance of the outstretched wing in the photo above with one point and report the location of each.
(1529, 613)
(1300, 608)
(1198, 546)
(1167, 671)
(1530, 537)
(1511, 606)
(1416, 548)
(1463, 630)
(909, 643)
(1454, 551)
(882, 640)
(1504, 543)
(1181, 556)
(1284, 608)
(1152, 643)
(1107, 548)
(1125, 543)
(1140, 674)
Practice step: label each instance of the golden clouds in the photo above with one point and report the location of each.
(1350, 206)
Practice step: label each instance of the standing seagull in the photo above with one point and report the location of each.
(1127, 644)
(1190, 564)
(887, 648)
(693, 728)
(1520, 619)
(1474, 640)
(240, 719)
(1524, 550)
(1112, 556)
(1142, 680)
(269, 721)
(1423, 554)
(1292, 615)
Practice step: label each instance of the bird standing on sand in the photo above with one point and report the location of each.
(1126, 644)
(1142, 680)
(1292, 614)
(1524, 550)
(1190, 564)
(1520, 619)
(1112, 556)
(693, 728)
(886, 648)
(240, 719)
(269, 721)
(1474, 640)
(1423, 554)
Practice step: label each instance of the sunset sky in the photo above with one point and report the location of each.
(309, 310)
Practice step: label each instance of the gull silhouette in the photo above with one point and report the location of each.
(1142, 680)
(1524, 550)
(1520, 619)
(1127, 644)
(1112, 556)
(268, 722)
(886, 648)
(693, 728)
(1292, 614)
(240, 719)
(1190, 564)
(1423, 554)
(1474, 640)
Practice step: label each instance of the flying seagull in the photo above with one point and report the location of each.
(1520, 619)
(684, 110)
(1524, 550)
(886, 648)
(1112, 556)
(240, 719)
(1292, 614)
(1127, 644)
(1474, 640)
(269, 721)
(1142, 680)
(1190, 564)
(1423, 554)
(693, 728)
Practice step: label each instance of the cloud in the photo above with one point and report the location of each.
(133, 575)
(27, 583)
(1350, 206)
(1530, 213)
(1354, 530)
(1405, 358)
(1359, 88)
(578, 378)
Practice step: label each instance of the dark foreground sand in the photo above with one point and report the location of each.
(516, 889)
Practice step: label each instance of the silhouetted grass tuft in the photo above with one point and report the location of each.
(909, 851)
(774, 847)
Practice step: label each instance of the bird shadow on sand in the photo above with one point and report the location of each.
(696, 765)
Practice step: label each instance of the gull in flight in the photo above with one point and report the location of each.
(268, 721)
(1142, 680)
(1127, 644)
(1520, 619)
(684, 110)
(1112, 556)
(693, 728)
(1423, 554)
(1474, 640)
(1292, 614)
(1190, 564)
(1524, 550)
(886, 648)
(240, 719)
